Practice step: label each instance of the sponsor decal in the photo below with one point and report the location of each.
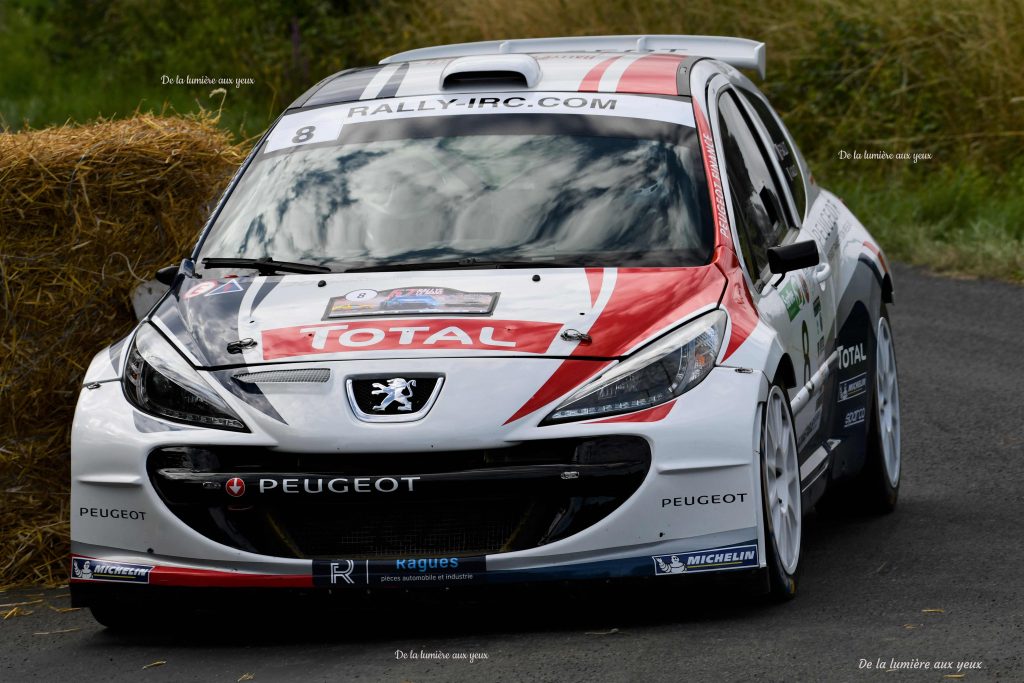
(85, 569)
(324, 125)
(336, 485)
(825, 223)
(398, 571)
(714, 174)
(235, 487)
(712, 499)
(201, 288)
(792, 298)
(409, 106)
(811, 427)
(821, 346)
(851, 355)
(431, 569)
(716, 559)
(855, 386)
(817, 316)
(418, 334)
(341, 572)
(410, 301)
(427, 564)
(854, 417)
(112, 513)
(805, 289)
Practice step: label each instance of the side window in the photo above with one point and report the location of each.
(783, 150)
(760, 219)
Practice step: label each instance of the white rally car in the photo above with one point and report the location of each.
(518, 311)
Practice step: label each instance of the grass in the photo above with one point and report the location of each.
(959, 222)
(936, 76)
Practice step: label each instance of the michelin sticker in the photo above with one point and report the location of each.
(87, 569)
(410, 301)
(855, 386)
(715, 559)
(324, 125)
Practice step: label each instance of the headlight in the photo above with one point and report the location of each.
(658, 373)
(158, 380)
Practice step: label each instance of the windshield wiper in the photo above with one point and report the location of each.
(469, 262)
(265, 265)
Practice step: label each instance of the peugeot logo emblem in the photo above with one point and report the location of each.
(397, 389)
(379, 398)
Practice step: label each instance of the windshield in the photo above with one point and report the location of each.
(562, 190)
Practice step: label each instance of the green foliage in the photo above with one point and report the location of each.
(955, 220)
(941, 77)
(88, 58)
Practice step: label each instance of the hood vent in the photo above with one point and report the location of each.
(303, 376)
(491, 71)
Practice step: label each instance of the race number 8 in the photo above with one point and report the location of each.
(304, 134)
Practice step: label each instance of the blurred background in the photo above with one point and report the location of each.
(937, 77)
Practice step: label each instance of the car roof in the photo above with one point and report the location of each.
(649, 65)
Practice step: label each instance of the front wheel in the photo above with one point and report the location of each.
(780, 493)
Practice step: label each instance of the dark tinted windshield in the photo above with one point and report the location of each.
(557, 189)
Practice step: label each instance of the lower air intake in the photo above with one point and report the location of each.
(393, 505)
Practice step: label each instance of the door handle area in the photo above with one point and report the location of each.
(822, 272)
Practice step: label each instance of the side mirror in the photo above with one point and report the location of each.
(794, 256)
(165, 276)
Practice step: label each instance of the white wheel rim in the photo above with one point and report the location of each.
(782, 479)
(887, 395)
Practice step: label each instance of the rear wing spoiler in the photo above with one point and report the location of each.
(738, 52)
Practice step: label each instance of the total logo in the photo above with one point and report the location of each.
(235, 487)
(851, 355)
(421, 334)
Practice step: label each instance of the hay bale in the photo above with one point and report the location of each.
(86, 213)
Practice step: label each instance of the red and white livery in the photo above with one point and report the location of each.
(517, 311)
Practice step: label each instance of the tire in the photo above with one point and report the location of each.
(877, 487)
(780, 495)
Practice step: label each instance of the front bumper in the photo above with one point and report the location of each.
(692, 508)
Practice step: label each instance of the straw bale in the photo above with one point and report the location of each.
(86, 213)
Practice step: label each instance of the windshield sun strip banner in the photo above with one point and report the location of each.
(324, 125)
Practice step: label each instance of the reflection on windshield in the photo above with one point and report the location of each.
(570, 199)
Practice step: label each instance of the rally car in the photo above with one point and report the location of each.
(660, 341)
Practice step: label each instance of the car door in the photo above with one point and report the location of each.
(816, 222)
(764, 215)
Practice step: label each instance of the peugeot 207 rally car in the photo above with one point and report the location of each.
(497, 312)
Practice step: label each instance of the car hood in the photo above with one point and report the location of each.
(563, 312)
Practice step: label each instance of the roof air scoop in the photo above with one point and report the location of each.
(491, 71)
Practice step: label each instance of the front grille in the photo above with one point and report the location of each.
(393, 505)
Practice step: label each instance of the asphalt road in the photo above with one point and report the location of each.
(940, 580)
